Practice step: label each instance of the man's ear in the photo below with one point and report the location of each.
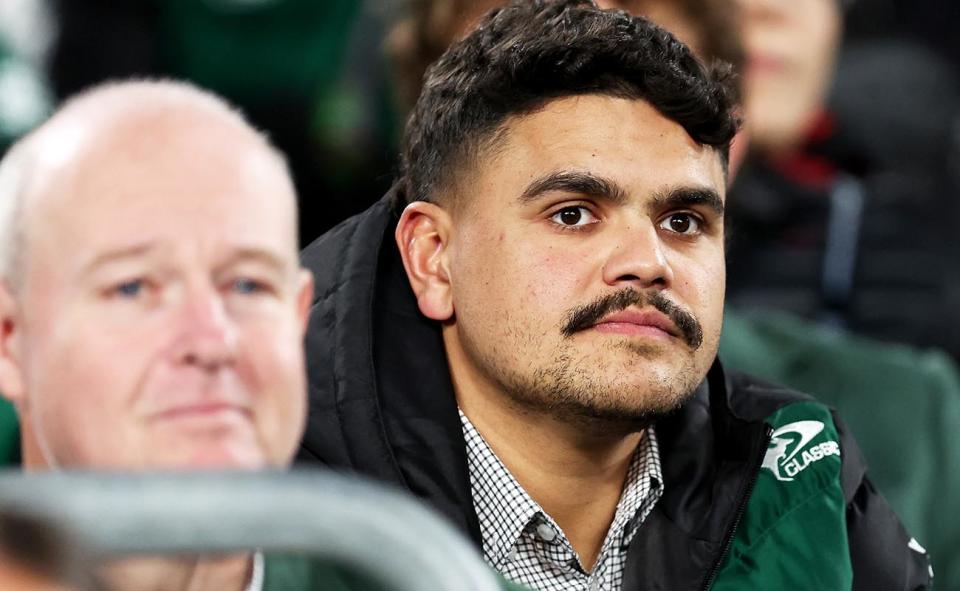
(422, 236)
(11, 374)
(304, 298)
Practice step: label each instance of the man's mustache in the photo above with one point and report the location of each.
(586, 316)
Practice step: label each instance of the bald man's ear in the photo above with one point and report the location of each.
(11, 374)
(422, 236)
(304, 298)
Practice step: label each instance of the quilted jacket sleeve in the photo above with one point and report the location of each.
(882, 553)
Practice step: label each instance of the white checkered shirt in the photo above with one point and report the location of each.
(528, 547)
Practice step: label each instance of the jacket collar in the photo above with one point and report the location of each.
(381, 401)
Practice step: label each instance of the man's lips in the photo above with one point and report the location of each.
(638, 322)
(200, 410)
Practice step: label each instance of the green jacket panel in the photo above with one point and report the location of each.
(796, 514)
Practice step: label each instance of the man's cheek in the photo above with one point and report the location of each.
(270, 353)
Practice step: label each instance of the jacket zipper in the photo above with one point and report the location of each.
(741, 508)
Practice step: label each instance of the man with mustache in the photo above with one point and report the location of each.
(524, 332)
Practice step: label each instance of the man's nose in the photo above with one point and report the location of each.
(207, 336)
(638, 259)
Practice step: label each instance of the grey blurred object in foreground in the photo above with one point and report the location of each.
(37, 555)
(379, 532)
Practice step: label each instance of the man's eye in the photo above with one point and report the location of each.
(130, 289)
(574, 217)
(246, 286)
(681, 223)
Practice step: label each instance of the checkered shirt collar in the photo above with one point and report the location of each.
(505, 510)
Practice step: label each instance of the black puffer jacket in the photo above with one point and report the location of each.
(382, 404)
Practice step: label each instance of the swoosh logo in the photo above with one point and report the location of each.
(807, 431)
(777, 455)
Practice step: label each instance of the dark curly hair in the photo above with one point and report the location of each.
(533, 51)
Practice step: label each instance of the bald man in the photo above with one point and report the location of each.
(152, 306)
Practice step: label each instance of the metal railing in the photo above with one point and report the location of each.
(381, 533)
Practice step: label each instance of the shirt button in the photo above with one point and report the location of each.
(595, 585)
(546, 533)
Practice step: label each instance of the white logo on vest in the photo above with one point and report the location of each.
(787, 457)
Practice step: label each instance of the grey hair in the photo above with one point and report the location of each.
(16, 166)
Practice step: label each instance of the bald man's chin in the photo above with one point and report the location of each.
(212, 453)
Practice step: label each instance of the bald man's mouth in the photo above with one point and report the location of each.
(206, 412)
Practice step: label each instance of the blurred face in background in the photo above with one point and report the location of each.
(666, 13)
(449, 21)
(466, 15)
(159, 323)
(709, 27)
(791, 50)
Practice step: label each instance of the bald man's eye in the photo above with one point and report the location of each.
(253, 286)
(130, 289)
(139, 289)
(574, 216)
(247, 286)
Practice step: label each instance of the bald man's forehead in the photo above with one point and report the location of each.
(137, 113)
(175, 178)
(90, 140)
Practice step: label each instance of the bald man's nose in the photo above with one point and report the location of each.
(207, 336)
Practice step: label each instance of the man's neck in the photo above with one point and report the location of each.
(576, 473)
(193, 573)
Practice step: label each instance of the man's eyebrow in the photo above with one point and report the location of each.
(238, 255)
(260, 255)
(119, 254)
(574, 182)
(689, 197)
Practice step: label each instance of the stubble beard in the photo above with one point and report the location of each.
(581, 391)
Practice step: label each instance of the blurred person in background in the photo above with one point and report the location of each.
(25, 100)
(708, 27)
(26, 33)
(442, 319)
(152, 306)
(307, 72)
(845, 212)
(930, 23)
